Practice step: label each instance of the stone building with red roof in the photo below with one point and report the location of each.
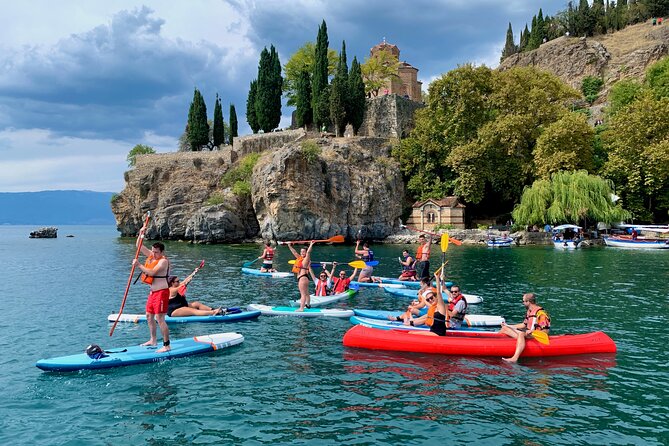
(430, 213)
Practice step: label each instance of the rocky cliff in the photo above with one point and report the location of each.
(624, 54)
(306, 188)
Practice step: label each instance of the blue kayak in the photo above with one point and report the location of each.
(397, 325)
(413, 293)
(471, 320)
(136, 354)
(276, 275)
(232, 317)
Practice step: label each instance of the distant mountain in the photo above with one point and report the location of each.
(56, 207)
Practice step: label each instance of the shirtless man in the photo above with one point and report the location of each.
(156, 270)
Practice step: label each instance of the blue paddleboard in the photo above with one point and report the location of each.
(233, 317)
(125, 356)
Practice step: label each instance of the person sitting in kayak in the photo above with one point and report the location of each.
(435, 318)
(178, 306)
(367, 255)
(536, 318)
(457, 307)
(340, 283)
(321, 282)
(408, 267)
(267, 257)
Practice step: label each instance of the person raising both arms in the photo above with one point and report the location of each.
(178, 305)
(267, 257)
(341, 283)
(367, 255)
(155, 272)
(297, 267)
(321, 282)
(303, 275)
(536, 319)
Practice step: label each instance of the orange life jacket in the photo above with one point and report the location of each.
(151, 263)
(298, 265)
(430, 314)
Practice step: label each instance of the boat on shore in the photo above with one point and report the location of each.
(567, 236)
(499, 242)
(642, 237)
(475, 343)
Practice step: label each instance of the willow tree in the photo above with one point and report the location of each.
(568, 197)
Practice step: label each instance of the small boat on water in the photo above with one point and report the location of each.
(499, 242)
(567, 236)
(474, 343)
(642, 237)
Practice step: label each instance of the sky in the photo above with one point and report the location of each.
(83, 82)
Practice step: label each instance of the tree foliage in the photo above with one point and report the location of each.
(339, 96)
(139, 149)
(198, 127)
(304, 116)
(568, 197)
(590, 87)
(319, 80)
(268, 93)
(233, 123)
(509, 46)
(657, 78)
(219, 124)
(566, 144)
(303, 60)
(357, 100)
(251, 117)
(378, 70)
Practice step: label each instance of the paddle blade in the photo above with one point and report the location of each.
(292, 262)
(541, 337)
(201, 264)
(444, 242)
(336, 239)
(359, 264)
(455, 241)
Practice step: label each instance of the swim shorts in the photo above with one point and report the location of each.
(158, 301)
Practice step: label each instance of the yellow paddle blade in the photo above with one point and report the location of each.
(444, 242)
(357, 264)
(541, 337)
(292, 262)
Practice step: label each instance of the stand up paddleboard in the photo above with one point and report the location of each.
(125, 356)
(276, 275)
(412, 293)
(266, 310)
(233, 317)
(319, 301)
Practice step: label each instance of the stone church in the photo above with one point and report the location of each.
(406, 84)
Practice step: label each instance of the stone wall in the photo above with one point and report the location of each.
(389, 116)
(244, 145)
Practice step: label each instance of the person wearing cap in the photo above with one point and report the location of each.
(180, 307)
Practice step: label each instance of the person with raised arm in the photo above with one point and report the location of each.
(303, 274)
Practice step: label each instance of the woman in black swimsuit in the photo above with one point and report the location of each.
(303, 279)
(178, 305)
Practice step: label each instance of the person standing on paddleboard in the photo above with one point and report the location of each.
(155, 272)
(303, 274)
(423, 258)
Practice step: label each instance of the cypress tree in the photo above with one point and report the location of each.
(198, 127)
(541, 28)
(533, 41)
(524, 39)
(357, 96)
(219, 126)
(233, 122)
(509, 46)
(319, 79)
(263, 102)
(339, 94)
(303, 112)
(251, 117)
(276, 89)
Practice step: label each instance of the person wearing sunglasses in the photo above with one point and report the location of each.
(415, 307)
(321, 281)
(435, 318)
(179, 306)
(457, 307)
(340, 283)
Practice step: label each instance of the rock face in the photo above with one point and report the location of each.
(49, 232)
(352, 187)
(182, 191)
(389, 116)
(623, 54)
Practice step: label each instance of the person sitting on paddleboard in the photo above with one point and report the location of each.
(340, 283)
(179, 306)
(267, 256)
(416, 305)
(408, 268)
(321, 282)
(536, 319)
(367, 255)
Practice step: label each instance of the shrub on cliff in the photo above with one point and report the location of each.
(239, 177)
(139, 149)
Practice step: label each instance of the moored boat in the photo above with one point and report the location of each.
(499, 242)
(567, 236)
(475, 343)
(619, 242)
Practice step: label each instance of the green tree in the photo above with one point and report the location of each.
(566, 144)
(198, 127)
(139, 149)
(568, 197)
(303, 60)
(524, 39)
(303, 111)
(509, 46)
(219, 124)
(657, 78)
(268, 94)
(357, 101)
(339, 95)
(657, 8)
(623, 93)
(251, 116)
(233, 123)
(590, 87)
(599, 16)
(637, 142)
(319, 79)
(379, 70)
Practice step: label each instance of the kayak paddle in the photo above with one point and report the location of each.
(139, 242)
(334, 239)
(372, 263)
(540, 336)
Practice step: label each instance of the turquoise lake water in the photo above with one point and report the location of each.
(292, 381)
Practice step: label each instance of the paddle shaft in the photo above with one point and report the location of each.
(334, 239)
(140, 238)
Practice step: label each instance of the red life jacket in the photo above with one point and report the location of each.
(269, 254)
(340, 285)
(321, 288)
(451, 305)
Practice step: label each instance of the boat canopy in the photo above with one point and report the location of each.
(564, 227)
(647, 228)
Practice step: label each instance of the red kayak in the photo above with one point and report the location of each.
(475, 343)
